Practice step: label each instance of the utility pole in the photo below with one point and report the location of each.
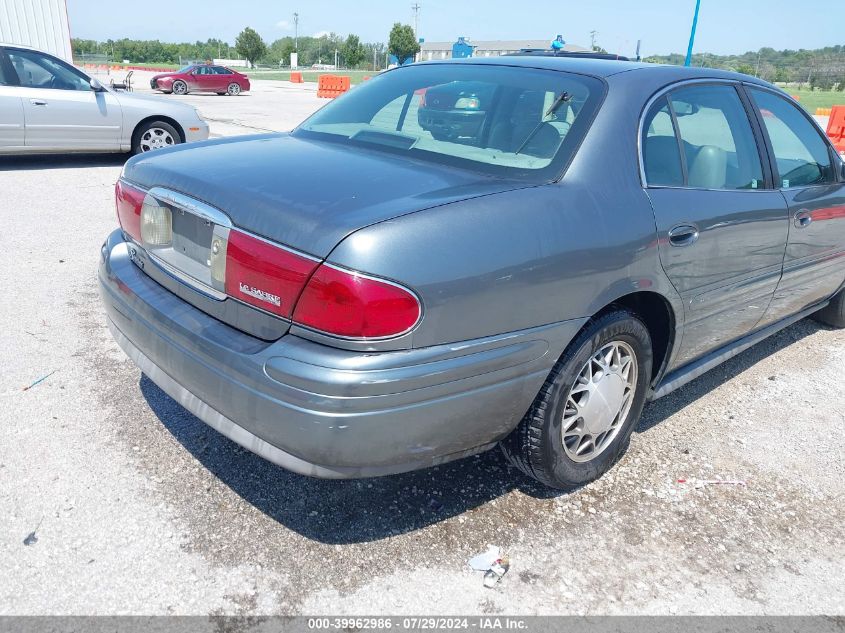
(692, 33)
(335, 59)
(593, 40)
(296, 32)
(416, 9)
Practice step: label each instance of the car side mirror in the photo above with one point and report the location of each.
(96, 86)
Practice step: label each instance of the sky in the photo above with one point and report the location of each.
(725, 26)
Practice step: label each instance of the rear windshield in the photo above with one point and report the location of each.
(507, 121)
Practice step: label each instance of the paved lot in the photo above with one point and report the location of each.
(137, 507)
(275, 106)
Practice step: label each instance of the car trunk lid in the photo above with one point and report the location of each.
(300, 196)
(306, 194)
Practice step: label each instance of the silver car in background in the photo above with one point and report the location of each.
(47, 105)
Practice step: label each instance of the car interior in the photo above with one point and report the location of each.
(719, 150)
(36, 71)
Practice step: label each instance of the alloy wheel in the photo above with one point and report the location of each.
(156, 138)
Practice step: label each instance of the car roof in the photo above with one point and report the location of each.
(603, 68)
(23, 46)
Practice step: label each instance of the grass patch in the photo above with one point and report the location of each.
(812, 99)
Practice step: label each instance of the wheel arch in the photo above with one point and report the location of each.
(659, 317)
(157, 117)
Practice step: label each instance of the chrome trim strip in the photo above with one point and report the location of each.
(192, 205)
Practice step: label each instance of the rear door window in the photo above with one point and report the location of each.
(661, 154)
(719, 148)
(801, 153)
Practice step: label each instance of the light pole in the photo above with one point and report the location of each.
(335, 59)
(416, 9)
(296, 32)
(692, 33)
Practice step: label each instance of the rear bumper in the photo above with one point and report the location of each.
(321, 411)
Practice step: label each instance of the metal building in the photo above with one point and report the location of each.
(42, 24)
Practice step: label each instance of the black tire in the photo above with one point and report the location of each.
(536, 445)
(834, 313)
(138, 140)
(179, 87)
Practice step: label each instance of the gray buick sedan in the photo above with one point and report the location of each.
(519, 251)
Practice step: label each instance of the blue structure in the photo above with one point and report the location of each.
(394, 61)
(692, 33)
(461, 49)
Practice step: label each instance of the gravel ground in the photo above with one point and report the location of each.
(118, 501)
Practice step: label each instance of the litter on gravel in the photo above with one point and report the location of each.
(40, 380)
(701, 483)
(492, 563)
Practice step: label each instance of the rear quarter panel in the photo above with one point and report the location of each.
(519, 259)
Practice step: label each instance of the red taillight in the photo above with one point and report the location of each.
(265, 275)
(129, 201)
(346, 303)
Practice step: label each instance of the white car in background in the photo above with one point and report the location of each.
(47, 105)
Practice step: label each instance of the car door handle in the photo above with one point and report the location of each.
(683, 235)
(38, 102)
(803, 219)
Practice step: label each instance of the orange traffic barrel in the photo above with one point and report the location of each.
(836, 127)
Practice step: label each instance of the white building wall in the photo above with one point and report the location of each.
(41, 24)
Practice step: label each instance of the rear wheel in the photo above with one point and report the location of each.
(834, 313)
(180, 87)
(154, 135)
(233, 90)
(583, 417)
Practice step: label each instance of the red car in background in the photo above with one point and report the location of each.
(201, 78)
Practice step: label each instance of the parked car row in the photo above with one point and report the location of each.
(456, 255)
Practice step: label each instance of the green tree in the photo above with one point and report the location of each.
(353, 52)
(745, 69)
(250, 45)
(402, 43)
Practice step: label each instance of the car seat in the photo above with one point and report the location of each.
(662, 161)
(709, 168)
(528, 111)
